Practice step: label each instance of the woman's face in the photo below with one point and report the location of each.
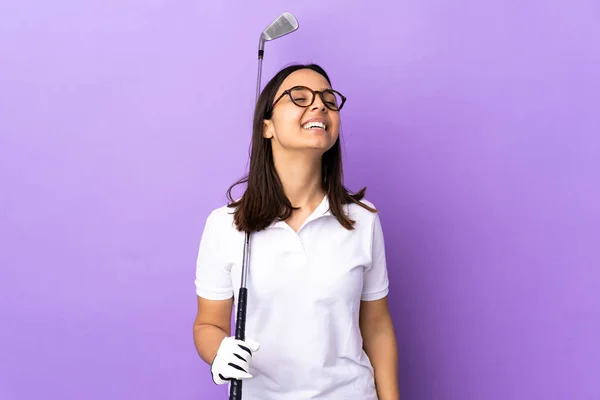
(288, 127)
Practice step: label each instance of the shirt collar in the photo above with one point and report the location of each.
(322, 210)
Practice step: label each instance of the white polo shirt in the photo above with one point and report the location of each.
(304, 293)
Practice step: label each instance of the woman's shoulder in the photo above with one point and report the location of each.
(354, 207)
(358, 212)
(221, 218)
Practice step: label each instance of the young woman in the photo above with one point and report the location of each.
(318, 325)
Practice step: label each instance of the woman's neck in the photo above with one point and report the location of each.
(301, 177)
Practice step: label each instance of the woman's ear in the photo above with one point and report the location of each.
(267, 129)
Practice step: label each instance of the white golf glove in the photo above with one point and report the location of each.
(233, 360)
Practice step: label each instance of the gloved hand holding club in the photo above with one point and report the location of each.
(233, 360)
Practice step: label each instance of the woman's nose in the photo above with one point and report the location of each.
(318, 104)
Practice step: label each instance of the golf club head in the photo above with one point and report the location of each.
(284, 24)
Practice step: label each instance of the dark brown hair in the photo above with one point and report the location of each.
(264, 200)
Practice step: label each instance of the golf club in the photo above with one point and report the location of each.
(284, 24)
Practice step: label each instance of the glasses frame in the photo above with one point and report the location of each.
(288, 92)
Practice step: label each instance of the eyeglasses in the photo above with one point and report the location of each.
(305, 97)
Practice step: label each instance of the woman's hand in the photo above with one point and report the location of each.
(233, 360)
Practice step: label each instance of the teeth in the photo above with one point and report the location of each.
(314, 124)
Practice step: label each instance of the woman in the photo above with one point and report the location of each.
(318, 325)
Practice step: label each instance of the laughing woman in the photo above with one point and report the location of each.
(318, 324)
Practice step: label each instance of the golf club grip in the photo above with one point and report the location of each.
(235, 390)
(240, 322)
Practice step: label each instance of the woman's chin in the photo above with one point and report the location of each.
(321, 145)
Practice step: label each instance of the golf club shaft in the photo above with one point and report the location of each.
(290, 24)
(259, 74)
(235, 390)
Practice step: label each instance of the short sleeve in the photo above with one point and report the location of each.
(376, 283)
(213, 277)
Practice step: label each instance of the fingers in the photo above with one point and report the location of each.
(231, 372)
(248, 345)
(233, 360)
(252, 344)
(221, 379)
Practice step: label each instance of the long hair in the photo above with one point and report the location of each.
(264, 200)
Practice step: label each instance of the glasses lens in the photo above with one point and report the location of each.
(302, 97)
(332, 99)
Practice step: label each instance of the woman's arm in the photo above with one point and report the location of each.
(211, 326)
(379, 342)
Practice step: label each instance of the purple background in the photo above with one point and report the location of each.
(475, 126)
